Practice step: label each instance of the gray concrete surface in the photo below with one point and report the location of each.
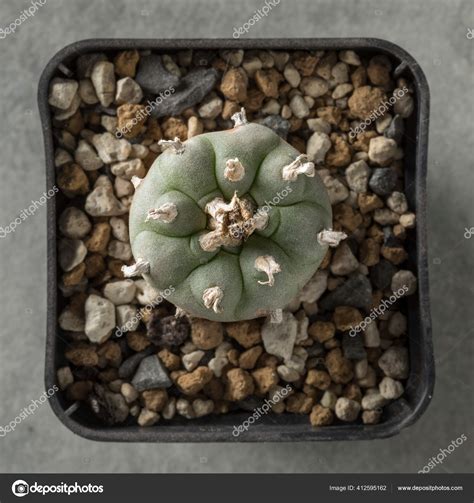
(434, 32)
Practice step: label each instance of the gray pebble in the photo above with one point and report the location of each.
(152, 76)
(151, 374)
(396, 129)
(383, 181)
(278, 124)
(356, 291)
(394, 362)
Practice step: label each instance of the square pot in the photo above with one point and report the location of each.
(282, 427)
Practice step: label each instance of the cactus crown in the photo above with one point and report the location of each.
(231, 220)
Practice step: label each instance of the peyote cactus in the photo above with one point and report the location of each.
(233, 220)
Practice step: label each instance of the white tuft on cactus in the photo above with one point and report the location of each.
(240, 118)
(175, 145)
(331, 238)
(299, 166)
(140, 267)
(166, 213)
(212, 298)
(268, 265)
(234, 170)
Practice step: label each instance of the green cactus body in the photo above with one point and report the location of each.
(217, 220)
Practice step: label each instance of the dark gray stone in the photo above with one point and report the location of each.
(353, 347)
(152, 76)
(381, 274)
(250, 403)
(129, 366)
(278, 124)
(191, 90)
(151, 374)
(356, 291)
(396, 129)
(383, 181)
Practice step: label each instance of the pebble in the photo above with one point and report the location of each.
(394, 362)
(314, 87)
(129, 392)
(126, 62)
(403, 278)
(170, 409)
(382, 123)
(390, 389)
(353, 347)
(370, 379)
(385, 217)
(271, 107)
(206, 334)
(360, 368)
(321, 416)
(349, 57)
(71, 253)
(397, 202)
(202, 407)
(396, 129)
(128, 367)
(371, 335)
(74, 224)
(110, 149)
(103, 80)
(291, 75)
(408, 220)
(100, 318)
(357, 176)
(373, 400)
(346, 409)
(338, 366)
(239, 385)
(381, 275)
(120, 292)
(341, 90)
(87, 92)
(278, 124)
(382, 150)
(319, 125)
(65, 377)
(336, 190)
(383, 181)
(87, 157)
(151, 374)
(69, 112)
(211, 108)
(299, 107)
(397, 324)
(371, 416)
(148, 418)
(279, 338)
(101, 202)
(152, 76)
(356, 291)
(287, 374)
(317, 147)
(329, 400)
(62, 93)
(404, 106)
(234, 85)
(315, 287)
(364, 100)
(191, 360)
(128, 169)
(267, 81)
(343, 262)
(193, 88)
(191, 383)
(184, 408)
(128, 91)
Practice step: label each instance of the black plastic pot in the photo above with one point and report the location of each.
(272, 427)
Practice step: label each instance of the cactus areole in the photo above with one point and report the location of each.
(233, 220)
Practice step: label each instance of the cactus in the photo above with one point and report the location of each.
(236, 221)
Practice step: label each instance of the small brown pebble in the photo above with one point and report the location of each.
(353, 392)
(268, 81)
(267, 360)
(362, 142)
(230, 108)
(111, 352)
(365, 100)
(369, 202)
(265, 378)
(394, 254)
(137, 341)
(233, 357)
(64, 377)
(82, 355)
(234, 85)
(148, 418)
(72, 180)
(214, 389)
(318, 378)
(347, 217)
(131, 118)
(173, 127)
(339, 367)
(126, 63)
(346, 317)
(248, 359)
(339, 154)
(169, 359)
(95, 265)
(98, 238)
(378, 71)
(305, 63)
(153, 130)
(371, 416)
(299, 403)
(332, 115)
(239, 385)
(115, 267)
(191, 383)
(74, 276)
(369, 252)
(206, 334)
(321, 416)
(322, 331)
(359, 77)
(246, 333)
(74, 124)
(155, 399)
(254, 100)
(79, 390)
